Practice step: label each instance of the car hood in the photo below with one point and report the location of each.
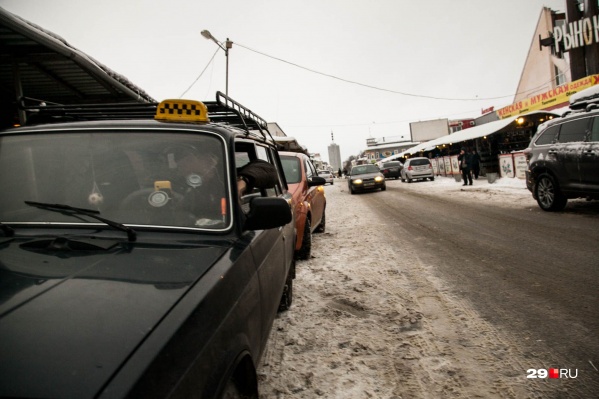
(70, 319)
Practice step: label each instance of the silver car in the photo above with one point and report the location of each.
(328, 176)
(417, 168)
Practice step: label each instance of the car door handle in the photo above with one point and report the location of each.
(552, 152)
(589, 153)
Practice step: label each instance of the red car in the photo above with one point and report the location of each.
(309, 201)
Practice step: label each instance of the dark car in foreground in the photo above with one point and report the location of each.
(130, 264)
(392, 169)
(308, 199)
(563, 157)
(365, 178)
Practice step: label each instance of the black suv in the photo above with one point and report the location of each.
(563, 158)
(130, 263)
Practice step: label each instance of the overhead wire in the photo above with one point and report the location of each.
(381, 88)
(201, 73)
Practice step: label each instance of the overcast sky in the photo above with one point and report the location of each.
(359, 69)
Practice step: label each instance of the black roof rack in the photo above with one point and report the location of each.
(224, 110)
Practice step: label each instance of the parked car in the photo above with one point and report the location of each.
(114, 282)
(364, 178)
(392, 169)
(309, 201)
(328, 176)
(563, 158)
(417, 168)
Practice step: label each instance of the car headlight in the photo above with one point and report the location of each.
(357, 181)
(379, 179)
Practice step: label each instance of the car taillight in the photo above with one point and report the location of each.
(410, 167)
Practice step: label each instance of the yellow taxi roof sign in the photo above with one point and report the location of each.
(182, 111)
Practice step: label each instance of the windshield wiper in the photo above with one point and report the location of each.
(71, 210)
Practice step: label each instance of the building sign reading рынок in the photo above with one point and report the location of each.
(583, 32)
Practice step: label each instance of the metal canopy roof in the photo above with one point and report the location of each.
(40, 65)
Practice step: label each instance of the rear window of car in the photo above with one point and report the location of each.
(573, 131)
(548, 136)
(417, 162)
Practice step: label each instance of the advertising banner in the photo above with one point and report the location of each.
(559, 95)
(455, 165)
(520, 165)
(448, 170)
(506, 165)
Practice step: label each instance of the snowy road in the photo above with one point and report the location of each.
(400, 302)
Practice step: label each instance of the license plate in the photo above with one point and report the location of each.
(368, 184)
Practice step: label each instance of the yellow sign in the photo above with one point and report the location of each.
(559, 95)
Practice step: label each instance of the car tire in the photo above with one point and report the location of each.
(304, 252)
(549, 197)
(323, 222)
(409, 180)
(403, 180)
(351, 191)
(287, 297)
(432, 178)
(383, 188)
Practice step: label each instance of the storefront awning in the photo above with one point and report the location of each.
(473, 132)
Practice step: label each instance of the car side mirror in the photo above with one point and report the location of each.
(267, 213)
(317, 181)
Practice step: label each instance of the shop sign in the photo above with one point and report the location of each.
(559, 95)
(583, 32)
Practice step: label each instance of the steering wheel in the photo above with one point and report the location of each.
(140, 198)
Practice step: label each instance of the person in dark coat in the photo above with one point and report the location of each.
(465, 162)
(475, 164)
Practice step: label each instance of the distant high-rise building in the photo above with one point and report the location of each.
(334, 155)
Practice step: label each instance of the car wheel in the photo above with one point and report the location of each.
(351, 190)
(287, 296)
(409, 180)
(304, 251)
(432, 178)
(403, 180)
(549, 196)
(232, 391)
(383, 188)
(323, 222)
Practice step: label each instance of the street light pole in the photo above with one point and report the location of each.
(225, 48)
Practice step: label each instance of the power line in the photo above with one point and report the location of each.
(383, 89)
(201, 73)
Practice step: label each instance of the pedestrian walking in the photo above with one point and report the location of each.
(465, 161)
(475, 164)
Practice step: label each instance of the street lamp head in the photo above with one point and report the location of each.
(207, 35)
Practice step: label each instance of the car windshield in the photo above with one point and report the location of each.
(158, 179)
(363, 169)
(291, 169)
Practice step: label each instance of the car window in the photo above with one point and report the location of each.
(291, 169)
(264, 154)
(574, 130)
(548, 136)
(145, 178)
(595, 130)
(416, 162)
(363, 169)
(310, 171)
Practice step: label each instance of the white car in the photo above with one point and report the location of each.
(328, 176)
